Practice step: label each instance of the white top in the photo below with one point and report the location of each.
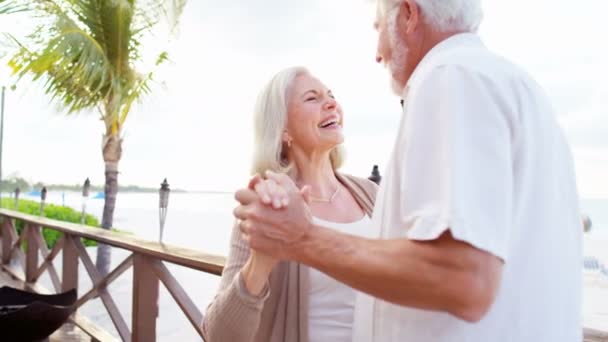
(479, 152)
(331, 304)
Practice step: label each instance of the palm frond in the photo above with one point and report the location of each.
(141, 88)
(73, 66)
(150, 12)
(14, 6)
(89, 12)
(117, 16)
(135, 94)
(84, 51)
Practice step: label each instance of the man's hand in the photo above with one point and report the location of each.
(271, 229)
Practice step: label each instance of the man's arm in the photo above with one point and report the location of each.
(443, 274)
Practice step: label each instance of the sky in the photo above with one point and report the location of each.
(195, 129)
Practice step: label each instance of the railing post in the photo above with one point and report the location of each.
(31, 264)
(69, 277)
(145, 300)
(7, 240)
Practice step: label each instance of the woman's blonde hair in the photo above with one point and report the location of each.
(270, 120)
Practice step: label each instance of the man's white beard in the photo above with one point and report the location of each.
(399, 53)
(397, 88)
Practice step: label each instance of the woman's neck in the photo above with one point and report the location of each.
(315, 170)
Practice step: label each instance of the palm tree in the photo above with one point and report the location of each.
(84, 52)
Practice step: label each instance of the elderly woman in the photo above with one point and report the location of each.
(298, 131)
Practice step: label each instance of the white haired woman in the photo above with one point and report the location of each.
(298, 131)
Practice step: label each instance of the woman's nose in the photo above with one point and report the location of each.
(330, 103)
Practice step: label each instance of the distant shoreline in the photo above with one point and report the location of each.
(124, 191)
(11, 183)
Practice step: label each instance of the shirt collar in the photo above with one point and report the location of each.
(456, 41)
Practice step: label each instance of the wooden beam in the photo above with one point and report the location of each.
(15, 244)
(69, 276)
(16, 248)
(120, 269)
(145, 300)
(179, 295)
(8, 236)
(178, 255)
(89, 327)
(106, 298)
(48, 260)
(14, 274)
(31, 262)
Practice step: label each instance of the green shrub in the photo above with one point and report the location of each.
(51, 211)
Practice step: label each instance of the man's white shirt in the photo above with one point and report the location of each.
(479, 153)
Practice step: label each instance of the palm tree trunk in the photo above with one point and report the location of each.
(112, 150)
(111, 189)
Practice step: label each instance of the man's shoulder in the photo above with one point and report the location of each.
(476, 60)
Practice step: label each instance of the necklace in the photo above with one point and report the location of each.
(326, 200)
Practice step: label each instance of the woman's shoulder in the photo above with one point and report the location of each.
(363, 184)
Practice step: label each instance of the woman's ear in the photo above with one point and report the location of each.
(286, 138)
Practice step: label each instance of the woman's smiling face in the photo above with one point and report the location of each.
(314, 118)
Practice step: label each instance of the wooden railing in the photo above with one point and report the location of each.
(147, 259)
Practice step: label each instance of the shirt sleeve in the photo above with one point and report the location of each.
(456, 167)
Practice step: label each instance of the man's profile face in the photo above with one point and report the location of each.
(391, 51)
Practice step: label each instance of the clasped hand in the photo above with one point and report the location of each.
(274, 214)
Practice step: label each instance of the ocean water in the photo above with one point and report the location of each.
(203, 221)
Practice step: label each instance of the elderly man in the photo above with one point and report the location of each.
(477, 213)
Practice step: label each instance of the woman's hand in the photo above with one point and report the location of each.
(270, 192)
(258, 267)
(256, 272)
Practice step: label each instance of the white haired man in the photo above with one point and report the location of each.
(480, 235)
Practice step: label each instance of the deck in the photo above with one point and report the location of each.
(26, 258)
(69, 332)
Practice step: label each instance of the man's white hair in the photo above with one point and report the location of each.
(270, 120)
(443, 15)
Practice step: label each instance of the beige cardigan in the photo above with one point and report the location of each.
(280, 315)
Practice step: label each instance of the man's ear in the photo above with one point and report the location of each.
(409, 15)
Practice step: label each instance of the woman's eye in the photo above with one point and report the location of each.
(311, 99)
